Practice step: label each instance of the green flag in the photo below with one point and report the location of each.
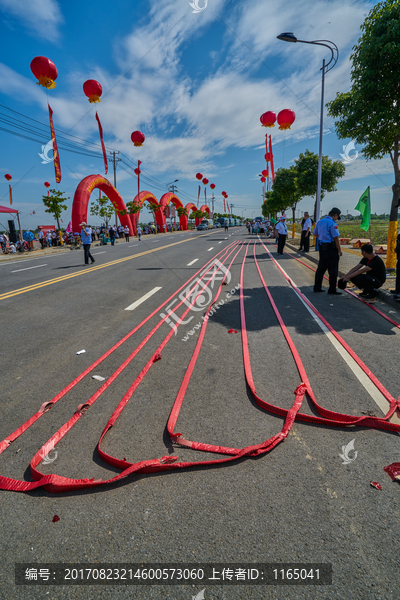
(364, 206)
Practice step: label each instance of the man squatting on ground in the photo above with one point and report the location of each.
(368, 275)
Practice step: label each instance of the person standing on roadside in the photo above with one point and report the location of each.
(126, 232)
(281, 231)
(86, 237)
(329, 251)
(111, 234)
(139, 232)
(305, 233)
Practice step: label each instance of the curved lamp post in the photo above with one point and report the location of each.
(326, 66)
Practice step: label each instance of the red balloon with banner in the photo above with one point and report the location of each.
(205, 181)
(93, 90)
(138, 138)
(47, 184)
(286, 118)
(8, 177)
(45, 72)
(212, 186)
(199, 176)
(263, 179)
(268, 119)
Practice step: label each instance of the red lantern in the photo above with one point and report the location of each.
(263, 179)
(47, 184)
(199, 176)
(264, 173)
(137, 138)
(286, 118)
(93, 90)
(8, 176)
(137, 171)
(45, 71)
(205, 181)
(212, 186)
(268, 119)
(267, 157)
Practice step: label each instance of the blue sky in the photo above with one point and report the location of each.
(194, 83)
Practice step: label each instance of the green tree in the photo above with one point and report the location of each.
(104, 209)
(369, 112)
(55, 204)
(285, 184)
(273, 203)
(307, 175)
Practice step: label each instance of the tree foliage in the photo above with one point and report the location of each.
(55, 204)
(103, 208)
(369, 112)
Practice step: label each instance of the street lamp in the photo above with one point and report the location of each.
(290, 37)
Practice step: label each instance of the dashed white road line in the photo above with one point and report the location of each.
(219, 242)
(209, 250)
(192, 263)
(143, 298)
(99, 253)
(27, 268)
(133, 246)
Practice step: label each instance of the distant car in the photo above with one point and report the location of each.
(217, 224)
(202, 227)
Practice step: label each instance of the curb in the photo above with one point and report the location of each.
(383, 295)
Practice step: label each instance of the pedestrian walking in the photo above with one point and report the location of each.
(327, 232)
(126, 232)
(305, 233)
(86, 237)
(281, 230)
(139, 232)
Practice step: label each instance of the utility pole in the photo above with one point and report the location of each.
(232, 206)
(212, 200)
(173, 189)
(115, 160)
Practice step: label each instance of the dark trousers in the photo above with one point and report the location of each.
(398, 274)
(305, 241)
(127, 237)
(281, 243)
(366, 282)
(86, 249)
(328, 259)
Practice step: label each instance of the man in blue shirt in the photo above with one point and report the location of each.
(329, 251)
(86, 237)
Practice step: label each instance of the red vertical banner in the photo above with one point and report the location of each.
(271, 157)
(198, 196)
(56, 157)
(102, 144)
(9, 188)
(139, 162)
(267, 176)
(205, 195)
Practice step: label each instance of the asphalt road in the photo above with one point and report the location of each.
(296, 504)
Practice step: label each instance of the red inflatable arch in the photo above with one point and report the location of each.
(164, 201)
(206, 209)
(190, 207)
(140, 199)
(81, 200)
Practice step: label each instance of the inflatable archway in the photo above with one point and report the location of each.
(81, 200)
(164, 201)
(206, 209)
(190, 207)
(139, 200)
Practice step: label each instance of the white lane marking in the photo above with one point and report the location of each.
(99, 253)
(209, 250)
(133, 246)
(143, 299)
(192, 263)
(27, 268)
(219, 242)
(170, 238)
(373, 391)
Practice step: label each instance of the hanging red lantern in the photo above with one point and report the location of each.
(138, 138)
(137, 171)
(45, 72)
(268, 119)
(205, 181)
(199, 176)
(264, 173)
(8, 177)
(212, 186)
(263, 179)
(286, 118)
(47, 184)
(93, 90)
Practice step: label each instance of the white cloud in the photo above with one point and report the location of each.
(42, 17)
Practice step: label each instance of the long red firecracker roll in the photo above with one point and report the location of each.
(56, 157)
(102, 144)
